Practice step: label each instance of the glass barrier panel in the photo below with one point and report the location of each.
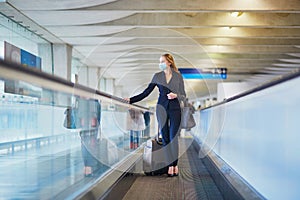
(258, 137)
(55, 144)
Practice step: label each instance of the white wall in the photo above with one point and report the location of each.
(226, 90)
(62, 55)
(1, 86)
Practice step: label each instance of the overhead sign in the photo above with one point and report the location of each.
(207, 73)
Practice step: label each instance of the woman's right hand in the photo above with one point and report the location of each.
(127, 99)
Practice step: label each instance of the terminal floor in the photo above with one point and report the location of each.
(193, 182)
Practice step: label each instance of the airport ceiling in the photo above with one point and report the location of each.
(255, 40)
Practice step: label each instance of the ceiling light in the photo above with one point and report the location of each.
(236, 14)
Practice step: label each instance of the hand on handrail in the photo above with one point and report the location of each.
(127, 99)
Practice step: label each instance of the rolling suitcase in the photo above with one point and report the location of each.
(153, 158)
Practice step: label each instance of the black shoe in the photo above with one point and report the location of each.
(170, 175)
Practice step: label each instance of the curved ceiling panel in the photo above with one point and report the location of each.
(75, 17)
(96, 41)
(106, 48)
(71, 31)
(54, 5)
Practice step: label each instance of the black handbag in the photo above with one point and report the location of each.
(70, 118)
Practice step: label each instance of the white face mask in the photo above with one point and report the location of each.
(162, 66)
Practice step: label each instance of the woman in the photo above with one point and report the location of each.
(168, 112)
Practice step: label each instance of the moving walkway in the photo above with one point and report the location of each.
(41, 159)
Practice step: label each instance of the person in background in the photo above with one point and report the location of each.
(193, 104)
(135, 125)
(168, 111)
(192, 110)
(89, 115)
(147, 124)
(199, 107)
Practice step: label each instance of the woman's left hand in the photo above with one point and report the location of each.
(127, 99)
(172, 95)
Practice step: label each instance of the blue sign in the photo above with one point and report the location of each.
(30, 60)
(208, 73)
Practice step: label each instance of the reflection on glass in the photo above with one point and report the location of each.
(57, 144)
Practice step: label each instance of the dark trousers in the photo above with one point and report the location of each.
(89, 147)
(169, 127)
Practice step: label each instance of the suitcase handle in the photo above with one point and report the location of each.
(158, 141)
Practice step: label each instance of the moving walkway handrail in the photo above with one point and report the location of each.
(259, 88)
(14, 71)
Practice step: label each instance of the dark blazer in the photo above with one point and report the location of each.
(175, 85)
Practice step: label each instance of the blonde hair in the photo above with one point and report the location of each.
(170, 59)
